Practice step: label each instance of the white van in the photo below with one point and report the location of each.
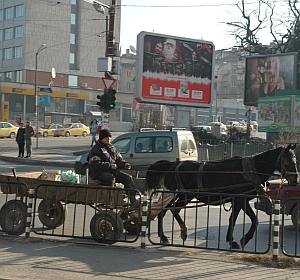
(147, 147)
(143, 148)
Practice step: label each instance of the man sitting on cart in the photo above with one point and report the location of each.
(105, 163)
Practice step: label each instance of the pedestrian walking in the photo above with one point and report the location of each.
(93, 128)
(20, 138)
(29, 132)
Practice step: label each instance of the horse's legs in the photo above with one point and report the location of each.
(236, 208)
(248, 236)
(180, 203)
(160, 217)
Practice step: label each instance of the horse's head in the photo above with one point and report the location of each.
(287, 164)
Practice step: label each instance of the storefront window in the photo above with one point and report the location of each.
(74, 106)
(59, 104)
(114, 115)
(16, 102)
(126, 114)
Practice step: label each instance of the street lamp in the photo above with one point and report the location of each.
(40, 49)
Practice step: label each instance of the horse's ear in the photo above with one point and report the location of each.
(290, 147)
(293, 146)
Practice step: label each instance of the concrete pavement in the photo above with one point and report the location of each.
(44, 156)
(35, 258)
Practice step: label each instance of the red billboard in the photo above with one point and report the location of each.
(267, 73)
(174, 71)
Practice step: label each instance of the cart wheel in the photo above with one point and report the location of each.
(51, 213)
(296, 217)
(132, 226)
(13, 217)
(106, 227)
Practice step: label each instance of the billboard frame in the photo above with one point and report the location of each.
(246, 76)
(140, 64)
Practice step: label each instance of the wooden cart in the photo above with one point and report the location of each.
(112, 216)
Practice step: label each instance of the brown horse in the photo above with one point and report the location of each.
(232, 176)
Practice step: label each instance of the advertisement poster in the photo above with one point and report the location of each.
(266, 74)
(274, 114)
(175, 71)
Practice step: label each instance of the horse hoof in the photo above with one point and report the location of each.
(234, 245)
(164, 240)
(244, 242)
(183, 234)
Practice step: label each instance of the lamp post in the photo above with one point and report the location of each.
(41, 48)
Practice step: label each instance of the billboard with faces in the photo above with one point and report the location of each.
(174, 71)
(268, 73)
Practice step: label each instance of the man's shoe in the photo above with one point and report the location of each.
(27, 156)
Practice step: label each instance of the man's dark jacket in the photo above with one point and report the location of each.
(101, 158)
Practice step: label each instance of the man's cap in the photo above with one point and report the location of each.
(104, 133)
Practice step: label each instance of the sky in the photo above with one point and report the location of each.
(196, 19)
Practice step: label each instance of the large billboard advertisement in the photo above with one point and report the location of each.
(174, 71)
(275, 114)
(265, 74)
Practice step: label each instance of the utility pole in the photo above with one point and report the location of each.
(110, 43)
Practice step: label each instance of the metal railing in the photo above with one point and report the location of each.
(207, 224)
(87, 212)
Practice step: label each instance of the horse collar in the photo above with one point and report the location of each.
(249, 171)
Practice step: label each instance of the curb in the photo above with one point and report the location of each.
(37, 162)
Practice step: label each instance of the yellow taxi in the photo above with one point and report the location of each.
(8, 130)
(72, 129)
(49, 130)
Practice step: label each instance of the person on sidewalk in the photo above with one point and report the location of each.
(93, 128)
(29, 132)
(20, 139)
(105, 163)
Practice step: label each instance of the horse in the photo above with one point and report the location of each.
(236, 175)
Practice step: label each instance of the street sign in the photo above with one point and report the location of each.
(108, 82)
(46, 89)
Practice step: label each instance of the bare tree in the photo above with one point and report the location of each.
(284, 27)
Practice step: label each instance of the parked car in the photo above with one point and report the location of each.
(8, 130)
(49, 130)
(254, 124)
(289, 197)
(143, 148)
(215, 129)
(72, 129)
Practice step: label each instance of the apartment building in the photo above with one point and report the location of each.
(66, 35)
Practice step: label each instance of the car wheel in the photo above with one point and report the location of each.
(67, 134)
(45, 134)
(84, 134)
(12, 135)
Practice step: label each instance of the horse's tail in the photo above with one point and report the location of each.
(155, 173)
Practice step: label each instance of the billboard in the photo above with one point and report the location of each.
(265, 74)
(174, 71)
(275, 114)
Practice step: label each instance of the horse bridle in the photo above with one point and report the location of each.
(278, 167)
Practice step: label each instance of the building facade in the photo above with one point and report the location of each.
(39, 36)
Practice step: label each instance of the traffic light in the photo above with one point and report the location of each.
(102, 103)
(111, 103)
(107, 101)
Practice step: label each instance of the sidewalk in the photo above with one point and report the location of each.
(37, 259)
(45, 157)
